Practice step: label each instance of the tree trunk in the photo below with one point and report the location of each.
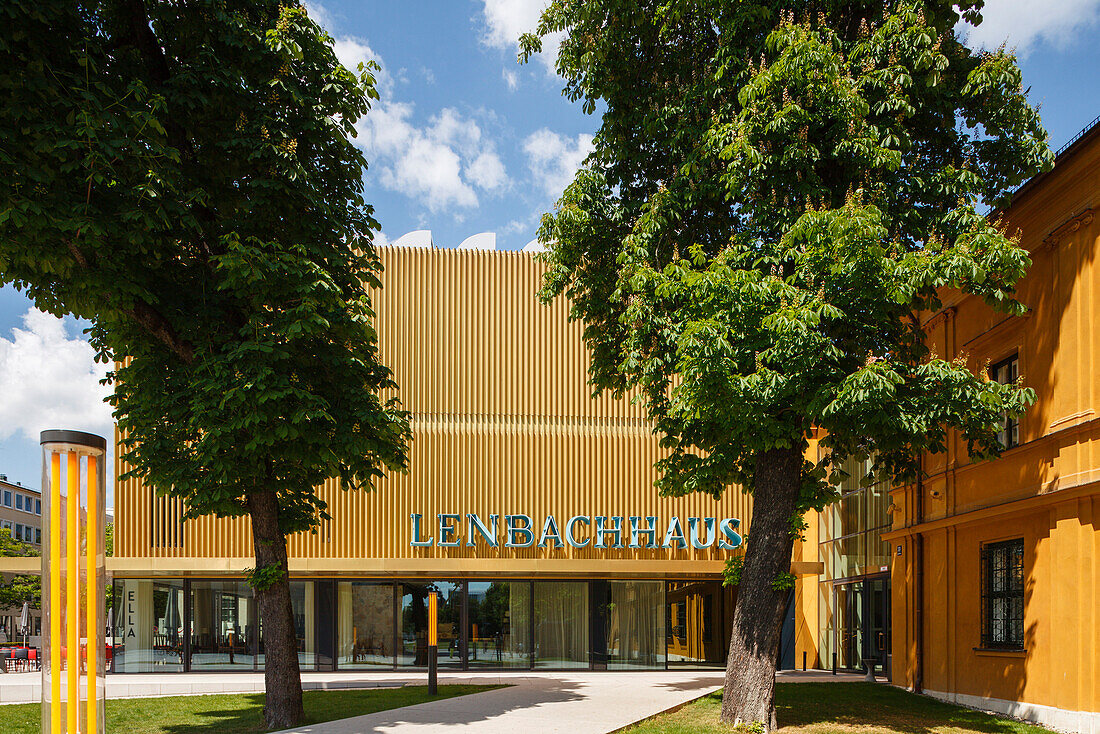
(282, 678)
(749, 692)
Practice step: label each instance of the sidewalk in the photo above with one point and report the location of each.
(576, 703)
(572, 703)
(26, 687)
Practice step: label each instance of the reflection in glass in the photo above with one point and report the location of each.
(695, 634)
(365, 627)
(147, 626)
(414, 623)
(222, 622)
(500, 629)
(561, 624)
(636, 621)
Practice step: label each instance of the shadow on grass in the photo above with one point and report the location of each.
(247, 716)
(827, 706)
(243, 713)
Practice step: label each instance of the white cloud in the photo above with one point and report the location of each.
(507, 20)
(319, 15)
(50, 380)
(442, 164)
(1024, 24)
(554, 159)
(511, 79)
(487, 172)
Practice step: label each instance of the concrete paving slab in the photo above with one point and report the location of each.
(571, 703)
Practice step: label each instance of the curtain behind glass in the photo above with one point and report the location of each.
(147, 627)
(636, 625)
(499, 633)
(561, 624)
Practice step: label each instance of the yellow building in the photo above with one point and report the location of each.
(528, 505)
(980, 584)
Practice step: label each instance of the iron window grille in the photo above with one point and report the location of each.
(1006, 372)
(1003, 595)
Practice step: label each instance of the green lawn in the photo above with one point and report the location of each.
(233, 713)
(843, 708)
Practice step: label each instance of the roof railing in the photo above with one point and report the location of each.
(1078, 136)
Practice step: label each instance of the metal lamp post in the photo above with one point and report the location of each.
(73, 582)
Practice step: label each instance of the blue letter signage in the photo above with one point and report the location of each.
(579, 531)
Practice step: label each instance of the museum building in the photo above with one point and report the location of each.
(529, 507)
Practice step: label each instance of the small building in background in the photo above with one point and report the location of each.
(21, 516)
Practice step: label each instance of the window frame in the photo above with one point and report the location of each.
(1009, 589)
(1010, 427)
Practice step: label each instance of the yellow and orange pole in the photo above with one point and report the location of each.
(91, 533)
(73, 463)
(433, 644)
(72, 603)
(55, 593)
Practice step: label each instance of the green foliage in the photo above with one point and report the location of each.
(731, 574)
(784, 582)
(751, 248)
(18, 589)
(183, 175)
(263, 578)
(12, 548)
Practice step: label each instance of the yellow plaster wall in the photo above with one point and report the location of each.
(1046, 490)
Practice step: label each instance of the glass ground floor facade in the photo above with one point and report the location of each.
(182, 625)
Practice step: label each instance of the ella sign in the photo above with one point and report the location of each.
(451, 530)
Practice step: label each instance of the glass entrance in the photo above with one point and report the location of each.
(863, 621)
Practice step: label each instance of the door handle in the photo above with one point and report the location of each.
(881, 641)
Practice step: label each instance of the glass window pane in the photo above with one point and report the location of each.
(694, 635)
(147, 626)
(302, 600)
(223, 620)
(561, 624)
(635, 625)
(414, 623)
(365, 627)
(500, 628)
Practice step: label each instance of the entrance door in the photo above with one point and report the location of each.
(863, 621)
(876, 637)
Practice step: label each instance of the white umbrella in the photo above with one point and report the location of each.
(25, 621)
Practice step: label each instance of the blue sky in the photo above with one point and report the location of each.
(464, 141)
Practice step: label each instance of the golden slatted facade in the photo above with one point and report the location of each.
(503, 422)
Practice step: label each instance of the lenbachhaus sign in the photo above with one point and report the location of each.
(451, 530)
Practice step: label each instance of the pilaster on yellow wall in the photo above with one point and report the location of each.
(807, 600)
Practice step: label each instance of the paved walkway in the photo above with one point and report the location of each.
(575, 703)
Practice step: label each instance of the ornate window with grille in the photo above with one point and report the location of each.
(1003, 595)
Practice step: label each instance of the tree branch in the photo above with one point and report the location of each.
(144, 314)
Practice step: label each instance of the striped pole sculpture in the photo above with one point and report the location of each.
(73, 582)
